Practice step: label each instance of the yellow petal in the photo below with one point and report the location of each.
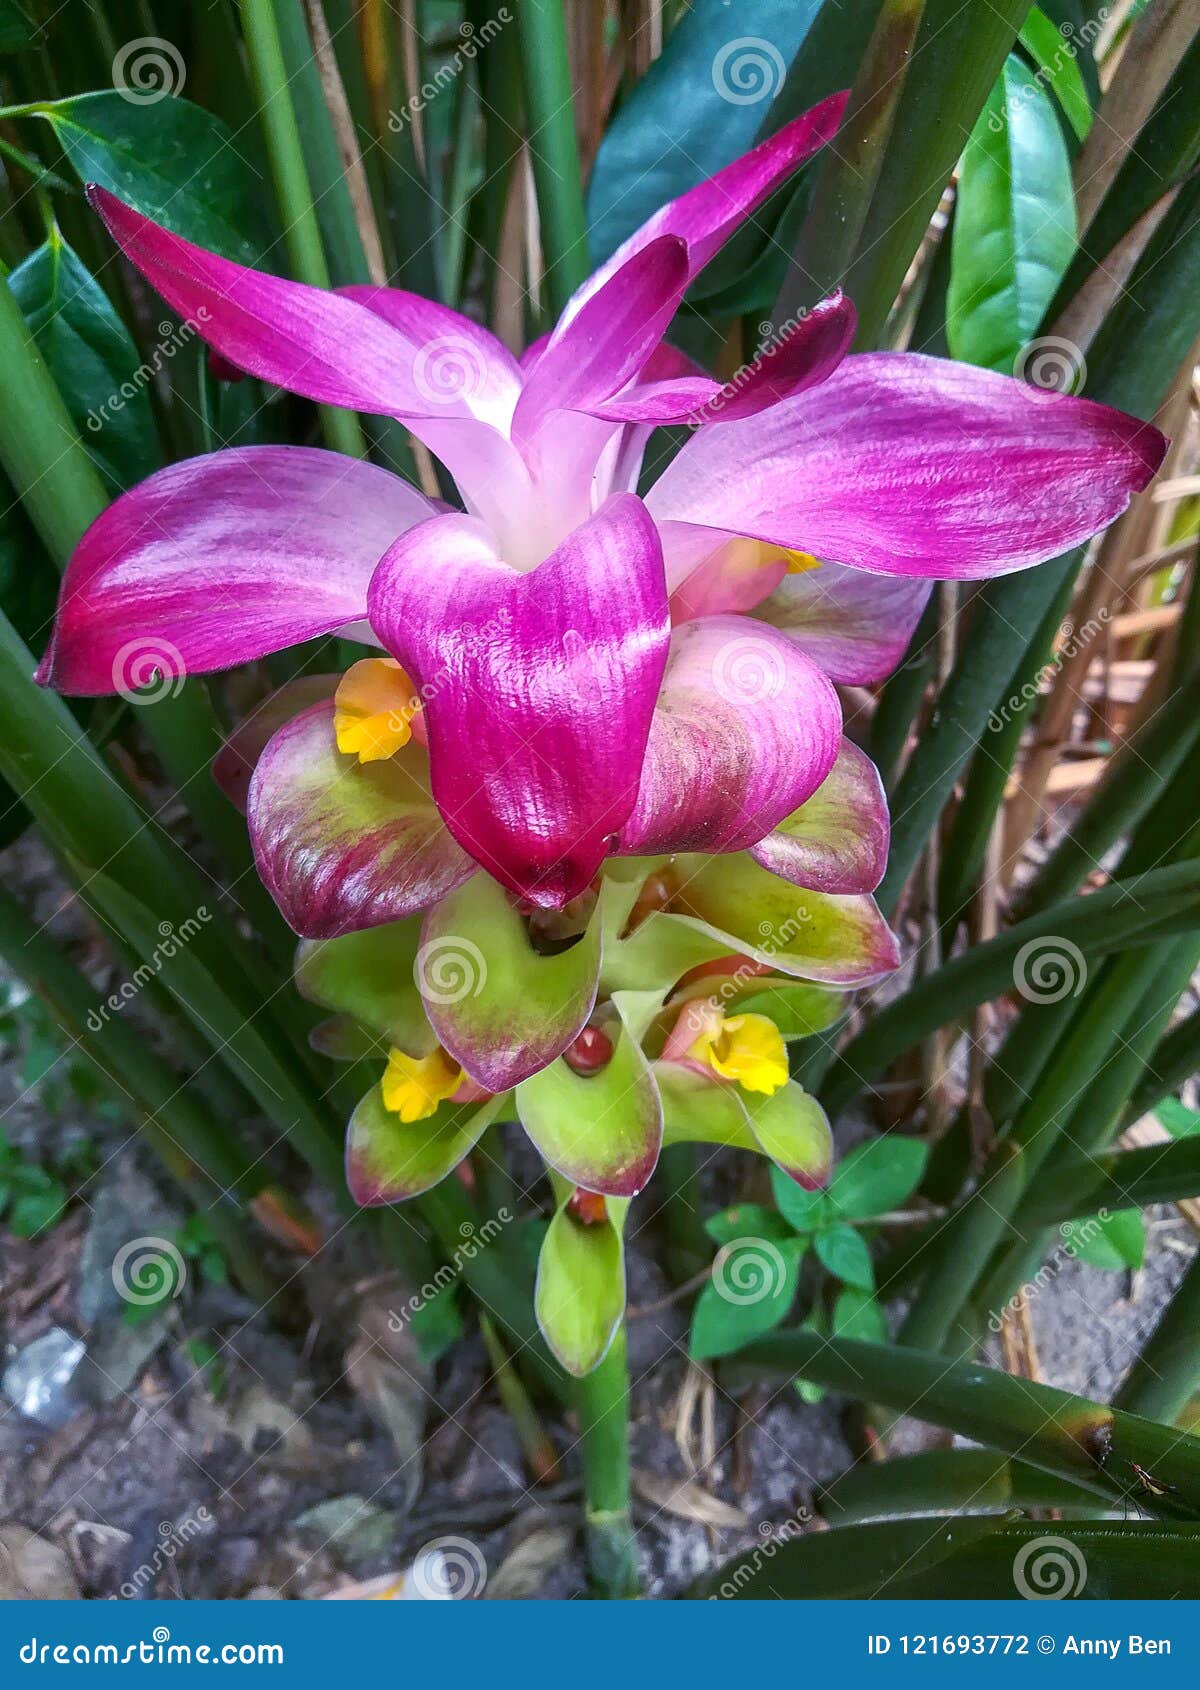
(798, 563)
(745, 1048)
(372, 708)
(413, 1086)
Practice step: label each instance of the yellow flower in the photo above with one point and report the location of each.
(413, 1086)
(372, 708)
(745, 1048)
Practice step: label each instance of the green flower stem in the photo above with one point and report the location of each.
(60, 489)
(1175, 1060)
(202, 1155)
(550, 111)
(950, 1481)
(1066, 1436)
(1116, 1179)
(602, 1404)
(982, 1222)
(1132, 362)
(493, 1274)
(1161, 1381)
(1135, 778)
(301, 231)
(540, 1453)
(1105, 919)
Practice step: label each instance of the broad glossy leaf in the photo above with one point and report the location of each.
(92, 357)
(848, 1561)
(171, 160)
(752, 1289)
(698, 107)
(877, 1176)
(844, 1252)
(1014, 223)
(1057, 59)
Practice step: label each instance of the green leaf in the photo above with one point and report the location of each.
(752, 1289)
(877, 1176)
(93, 359)
(801, 1208)
(170, 160)
(1177, 1118)
(844, 1252)
(969, 1556)
(858, 1314)
(1014, 224)
(18, 31)
(1057, 59)
(698, 107)
(1113, 1241)
(747, 1220)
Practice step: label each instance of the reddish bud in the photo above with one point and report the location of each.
(587, 1207)
(591, 1051)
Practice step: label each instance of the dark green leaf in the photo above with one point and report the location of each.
(877, 1176)
(853, 1561)
(799, 1207)
(438, 1324)
(93, 359)
(752, 1289)
(1014, 223)
(845, 1254)
(18, 31)
(170, 160)
(1057, 59)
(699, 106)
(36, 1209)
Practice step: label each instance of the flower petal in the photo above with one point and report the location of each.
(579, 1296)
(746, 729)
(842, 941)
(856, 626)
(837, 841)
(539, 687)
(609, 340)
(234, 763)
(371, 976)
(906, 465)
(389, 1160)
(501, 1009)
(223, 559)
(708, 214)
(603, 1130)
(806, 354)
(342, 845)
(310, 341)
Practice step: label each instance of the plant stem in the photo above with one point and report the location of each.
(945, 1481)
(1070, 1437)
(550, 111)
(1116, 1179)
(1161, 1381)
(301, 231)
(602, 1403)
(205, 1157)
